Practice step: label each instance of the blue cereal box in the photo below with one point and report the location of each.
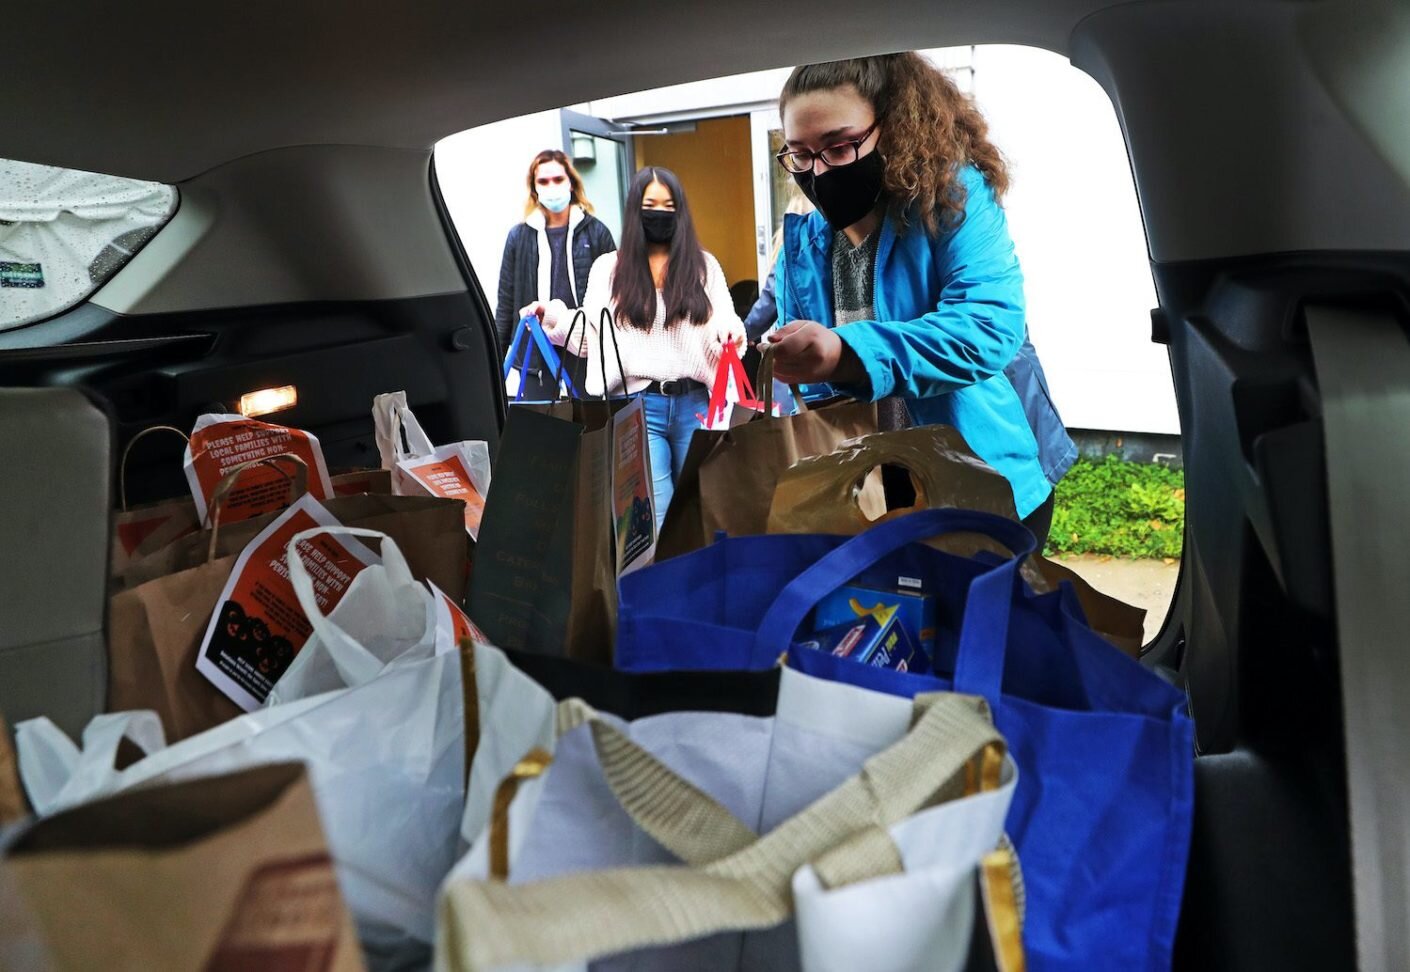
(914, 610)
(883, 644)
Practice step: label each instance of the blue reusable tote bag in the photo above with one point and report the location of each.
(528, 336)
(1102, 814)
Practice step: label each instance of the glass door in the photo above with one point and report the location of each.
(774, 191)
(602, 153)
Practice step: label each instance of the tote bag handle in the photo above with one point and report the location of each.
(844, 834)
(979, 666)
(604, 324)
(355, 664)
(529, 335)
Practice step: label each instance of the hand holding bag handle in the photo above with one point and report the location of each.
(487, 924)
(729, 367)
(604, 324)
(984, 628)
(530, 335)
(766, 383)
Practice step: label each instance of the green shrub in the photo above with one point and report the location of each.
(1125, 509)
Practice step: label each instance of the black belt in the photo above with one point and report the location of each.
(675, 387)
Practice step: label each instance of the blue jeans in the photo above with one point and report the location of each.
(670, 422)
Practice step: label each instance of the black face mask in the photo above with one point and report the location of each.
(846, 194)
(659, 225)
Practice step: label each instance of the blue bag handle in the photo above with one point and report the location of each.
(521, 332)
(529, 334)
(979, 665)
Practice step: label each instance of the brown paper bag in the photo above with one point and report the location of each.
(729, 477)
(222, 874)
(545, 580)
(414, 522)
(139, 530)
(155, 624)
(820, 495)
(13, 805)
(142, 529)
(356, 482)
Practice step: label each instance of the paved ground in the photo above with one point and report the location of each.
(1144, 583)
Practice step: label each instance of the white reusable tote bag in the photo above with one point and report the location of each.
(860, 812)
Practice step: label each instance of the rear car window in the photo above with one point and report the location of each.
(63, 232)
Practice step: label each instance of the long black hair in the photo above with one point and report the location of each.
(633, 290)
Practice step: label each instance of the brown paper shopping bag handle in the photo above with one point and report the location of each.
(766, 383)
(122, 466)
(298, 486)
(938, 461)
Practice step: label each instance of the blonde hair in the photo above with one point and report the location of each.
(576, 181)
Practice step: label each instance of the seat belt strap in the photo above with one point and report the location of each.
(1362, 360)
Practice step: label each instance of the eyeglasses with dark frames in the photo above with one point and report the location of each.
(842, 153)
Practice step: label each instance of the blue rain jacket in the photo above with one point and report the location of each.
(951, 317)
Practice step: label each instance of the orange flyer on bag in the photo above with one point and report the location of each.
(219, 443)
(633, 502)
(258, 626)
(448, 472)
(452, 624)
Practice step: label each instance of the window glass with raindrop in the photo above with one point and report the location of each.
(65, 232)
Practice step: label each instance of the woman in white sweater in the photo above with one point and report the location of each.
(672, 316)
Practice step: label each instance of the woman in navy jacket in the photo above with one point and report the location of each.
(548, 256)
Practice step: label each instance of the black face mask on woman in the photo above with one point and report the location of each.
(659, 225)
(845, 195)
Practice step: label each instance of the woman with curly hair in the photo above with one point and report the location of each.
(903, 287)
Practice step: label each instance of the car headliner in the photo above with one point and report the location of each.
(162, 90)
(300, 137)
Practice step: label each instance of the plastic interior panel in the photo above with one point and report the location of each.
(338, 355)
(1252, 629)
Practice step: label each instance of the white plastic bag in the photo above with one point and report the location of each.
(386, 617)
(399, 435)
(386, 761)
(460, 470)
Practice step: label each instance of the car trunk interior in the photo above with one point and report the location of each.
(1264, 187)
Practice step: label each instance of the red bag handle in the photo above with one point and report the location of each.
(730, 365)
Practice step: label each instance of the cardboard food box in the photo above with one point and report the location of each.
(882, 644)
(913, 609)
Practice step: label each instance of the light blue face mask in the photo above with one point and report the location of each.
(555, 198)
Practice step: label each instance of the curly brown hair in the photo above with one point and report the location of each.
(929, 131)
